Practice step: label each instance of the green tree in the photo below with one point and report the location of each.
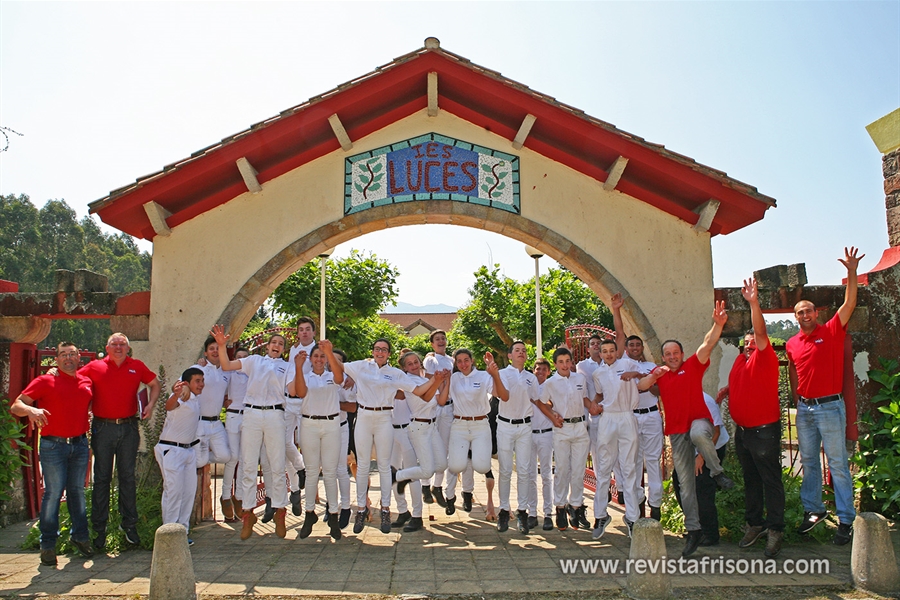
(34, 243)
(501, 310)
(358, 287)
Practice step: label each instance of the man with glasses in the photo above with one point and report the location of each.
(114, 433)
(58, 406)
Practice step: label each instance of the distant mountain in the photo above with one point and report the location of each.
(403, 307)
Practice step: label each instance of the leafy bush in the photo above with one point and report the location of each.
(12, 435)
(878, 459)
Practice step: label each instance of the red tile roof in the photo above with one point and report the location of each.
(656, 175)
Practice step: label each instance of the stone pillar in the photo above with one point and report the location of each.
(171, 569)
(885, 132)
(873, 564)
(648, 579)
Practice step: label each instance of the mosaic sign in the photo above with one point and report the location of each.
(431, 167)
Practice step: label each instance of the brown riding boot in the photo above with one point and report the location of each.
(227, 510)
(238, 508)
(280, 526)
(249, 518)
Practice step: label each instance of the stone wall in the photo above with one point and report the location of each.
(890, 165)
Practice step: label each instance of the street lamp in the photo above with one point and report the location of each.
(536, 255)
(323, 258)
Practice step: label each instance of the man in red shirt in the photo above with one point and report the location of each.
(689, 425)
(753, 401)
(59, 407)
(114, 433)
(816, 357)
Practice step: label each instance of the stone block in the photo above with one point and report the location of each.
(892, 183)
(890, 163)
(137, 328)
(781, 276)
(893, 226)
(873, 564)
(171, 569)
(892, 200)
(65, 281)
(649, 547)
(88, 281)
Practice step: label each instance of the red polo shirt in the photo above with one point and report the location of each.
(66, 398)
(753, 389)
(681, 392)
(819, 359)
(116, 387)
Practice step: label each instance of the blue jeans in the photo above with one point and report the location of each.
(818, 426)
(63, 467)
(119, 441)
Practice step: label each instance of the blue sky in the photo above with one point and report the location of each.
(777, 94)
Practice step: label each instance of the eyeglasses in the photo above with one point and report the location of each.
(380, 349)
(68, 355)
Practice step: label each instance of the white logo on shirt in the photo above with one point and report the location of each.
(819, 341)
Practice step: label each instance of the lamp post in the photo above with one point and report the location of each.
(536, 255)
(323, 258)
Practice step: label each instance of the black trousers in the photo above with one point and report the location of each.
(759, 451)
(706, 498)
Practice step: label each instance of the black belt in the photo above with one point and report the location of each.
(448, 403)
(64, 440)
(115, 421)
(376, 408)
(210, 419)
(404, 426)
(234, 411)
(168, 443)
(644, 411)
(514, 421)
(322, 417)
(423, 420)
(273, 407)
(481, 418)
(760, 427)
(574, 420)
(343, 423)
(541, 430)
(820, 400)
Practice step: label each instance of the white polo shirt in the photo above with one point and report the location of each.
(376, 387)
(618, 395)
(295, 350)
(471, 393)
(418, 408)
(587, 367)
(567, 394)
(646, 399)
(539, 420)
(181, 422)
(523, 388)
(237, 389)
(215, 386)
(268, 379)
(323, 395)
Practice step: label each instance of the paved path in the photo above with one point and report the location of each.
(459, 554)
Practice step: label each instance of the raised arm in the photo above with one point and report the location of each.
(180, 391)
(298, 386)
(337, 367)
(616, 303)
(750, 292)
(227, 364)
(851, 261)
(430, 387)
(444, 385)
(494, 371)
(649, 382)
(712, 336)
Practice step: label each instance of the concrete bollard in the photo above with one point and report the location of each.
(648, 545)
(872, 561)
(172, 570)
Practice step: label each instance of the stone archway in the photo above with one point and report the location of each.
(252, 294)
(202, 274)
